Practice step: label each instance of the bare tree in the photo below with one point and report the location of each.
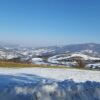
(80, 62)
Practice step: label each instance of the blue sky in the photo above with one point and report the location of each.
(49, 22)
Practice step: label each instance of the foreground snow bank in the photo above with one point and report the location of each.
(49, 84)
(30, 87)
(66, 90)
(57, 74)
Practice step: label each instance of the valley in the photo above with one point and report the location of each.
(73, 56)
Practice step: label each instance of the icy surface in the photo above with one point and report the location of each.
(49, 84)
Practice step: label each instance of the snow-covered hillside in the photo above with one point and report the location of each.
(53, 56)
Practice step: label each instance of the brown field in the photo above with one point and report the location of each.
(19, 65)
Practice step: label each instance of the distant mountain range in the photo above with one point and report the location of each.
(80, 47)
(93, 47)
(87, 47)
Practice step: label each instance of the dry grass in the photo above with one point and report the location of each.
(21, 65)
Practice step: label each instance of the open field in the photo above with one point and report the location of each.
(59, 74)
